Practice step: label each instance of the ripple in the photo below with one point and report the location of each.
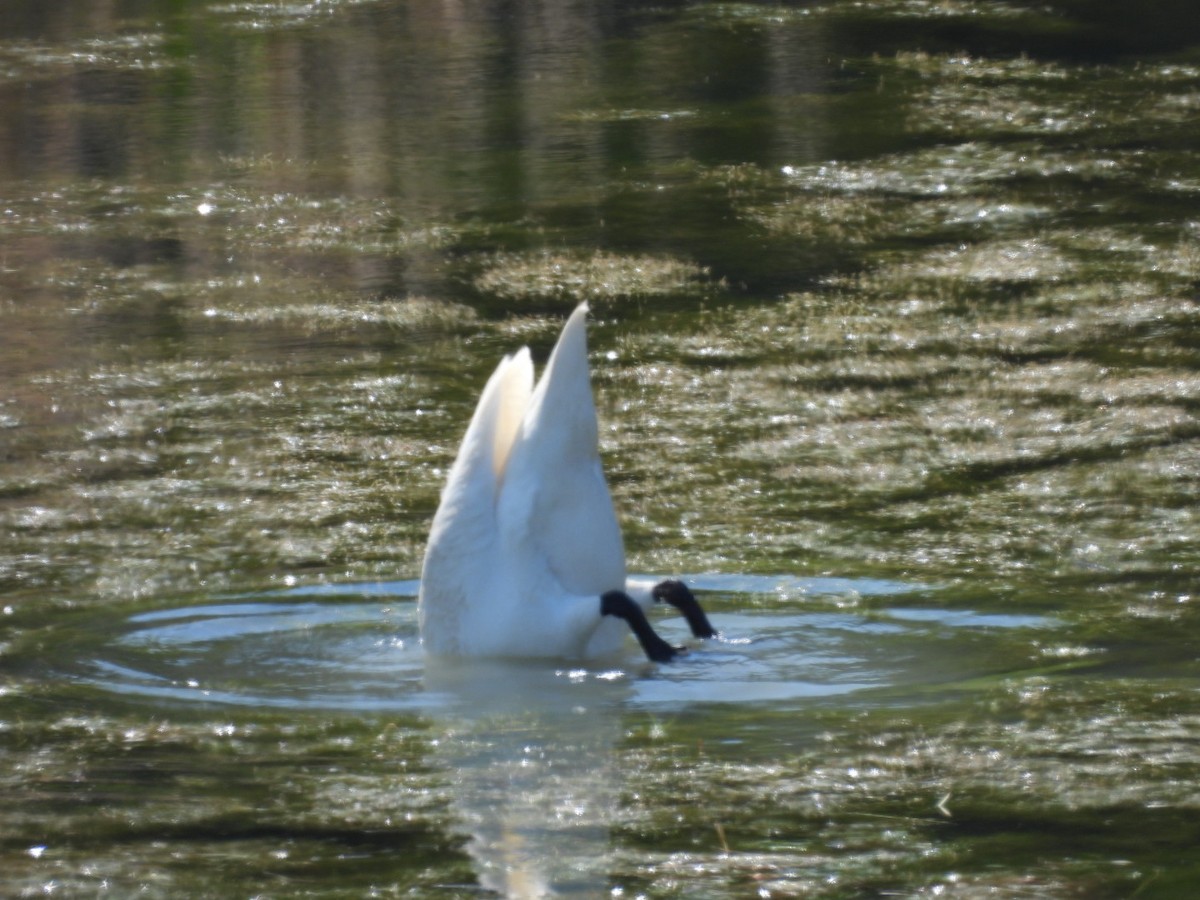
(355, 648)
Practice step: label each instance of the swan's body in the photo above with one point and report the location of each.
(525, 556)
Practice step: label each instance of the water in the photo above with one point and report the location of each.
(289, 650)
(527, 754)
(894, 347)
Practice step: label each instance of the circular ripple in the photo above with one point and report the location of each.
(355, 648)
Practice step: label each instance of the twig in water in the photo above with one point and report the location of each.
(942, 808)
(721, 836)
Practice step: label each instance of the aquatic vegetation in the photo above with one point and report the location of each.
(629, 115)
(135, 52)
(257, 16)
(559, 276)
(328, 315)
(1026, 96)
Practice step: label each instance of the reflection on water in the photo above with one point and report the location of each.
(530, 752)
(897, 300)
(530, 748)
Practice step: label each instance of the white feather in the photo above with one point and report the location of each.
(525, 539)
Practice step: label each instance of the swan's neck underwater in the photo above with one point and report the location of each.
(525, 556)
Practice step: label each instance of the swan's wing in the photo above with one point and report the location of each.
(461, 554)
(554, 501)
(474, 479)
(507, 410)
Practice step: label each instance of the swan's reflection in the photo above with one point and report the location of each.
(530, 751)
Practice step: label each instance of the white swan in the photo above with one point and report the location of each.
(525, 556)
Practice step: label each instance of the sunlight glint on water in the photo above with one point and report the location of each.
(894, 327)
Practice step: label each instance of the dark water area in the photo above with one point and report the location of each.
(895, 342)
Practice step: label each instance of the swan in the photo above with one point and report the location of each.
(524, 557)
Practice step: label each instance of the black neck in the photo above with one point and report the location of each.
(621, 605)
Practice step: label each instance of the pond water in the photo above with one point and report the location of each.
(896, 348)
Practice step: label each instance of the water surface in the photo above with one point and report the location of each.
(290, 650)
(894, 343)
